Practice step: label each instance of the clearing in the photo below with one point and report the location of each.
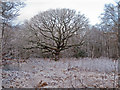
(65, 73)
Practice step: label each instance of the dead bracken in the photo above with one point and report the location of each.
(64, 73)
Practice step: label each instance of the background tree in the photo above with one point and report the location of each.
(119, 27)
(9, 11)
(54, 29)
(101, 43)
(109, 23)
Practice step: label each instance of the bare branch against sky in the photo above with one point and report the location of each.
(91, 8)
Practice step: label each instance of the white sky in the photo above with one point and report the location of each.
(91, 8)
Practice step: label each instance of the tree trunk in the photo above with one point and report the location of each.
(119, 43)
(119, 29)
(56, 55)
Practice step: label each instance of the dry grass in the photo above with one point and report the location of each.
(66, 73)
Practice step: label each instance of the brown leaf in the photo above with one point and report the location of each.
(44, 84)
(11, 86)
(33, 66)
(40, 84)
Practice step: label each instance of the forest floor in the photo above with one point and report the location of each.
(65, 73)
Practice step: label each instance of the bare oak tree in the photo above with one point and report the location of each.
(54, 28)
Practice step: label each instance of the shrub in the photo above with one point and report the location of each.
(80, 53)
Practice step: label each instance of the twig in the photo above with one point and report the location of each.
(81, 81)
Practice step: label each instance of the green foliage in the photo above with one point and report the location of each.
(79, 53)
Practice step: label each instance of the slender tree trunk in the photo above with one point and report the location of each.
(119, 44)
(2, 44)
(92, 52)
(119, 29)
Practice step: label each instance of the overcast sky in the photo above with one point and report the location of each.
(91, 8)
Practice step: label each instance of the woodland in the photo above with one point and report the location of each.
(59, 45)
